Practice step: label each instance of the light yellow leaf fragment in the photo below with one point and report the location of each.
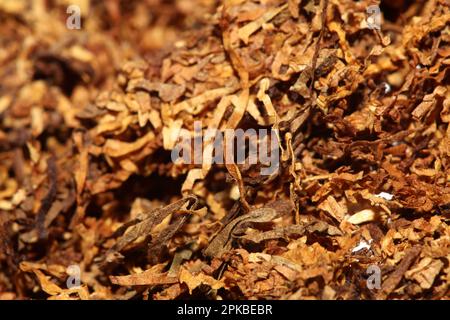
(193, 281)
(246, 31)
(116, 148)
(362, 216)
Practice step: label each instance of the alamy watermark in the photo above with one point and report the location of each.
(73, 21)
(373, 17)
(230, 146)
(374, 279)
(74, 279)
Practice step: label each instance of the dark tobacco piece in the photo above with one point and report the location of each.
(221, 243)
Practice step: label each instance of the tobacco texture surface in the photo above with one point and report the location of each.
(93, 207)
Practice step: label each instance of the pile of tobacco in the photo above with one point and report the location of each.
(354, 97)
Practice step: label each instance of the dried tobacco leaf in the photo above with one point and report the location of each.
(142, 227)
(221, 242)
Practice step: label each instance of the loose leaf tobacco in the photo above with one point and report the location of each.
(89, 119)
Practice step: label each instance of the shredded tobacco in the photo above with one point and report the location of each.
(358, 207)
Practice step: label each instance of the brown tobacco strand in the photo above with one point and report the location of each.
(221, 241)
(323, 17)
(47, 201)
